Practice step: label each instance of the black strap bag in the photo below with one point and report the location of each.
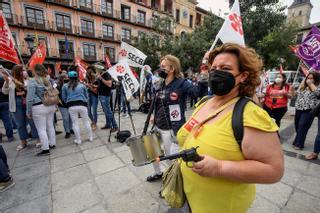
(123, 135)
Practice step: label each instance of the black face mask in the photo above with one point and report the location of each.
(162, 73)
(221, 82)
(65, 81)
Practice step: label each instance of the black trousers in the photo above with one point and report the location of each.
(276, 113)
(4, 168)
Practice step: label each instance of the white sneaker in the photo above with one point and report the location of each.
(91, 139)
(77, 141)
(124, 115)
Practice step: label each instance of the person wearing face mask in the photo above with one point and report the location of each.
(223, 181)
(276, 98)
(307, 98)
(169, 114)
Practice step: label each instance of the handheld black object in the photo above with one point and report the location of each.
(187, 155)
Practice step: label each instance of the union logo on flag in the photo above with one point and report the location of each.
(236, 23)
(120, 69)
(123, 53)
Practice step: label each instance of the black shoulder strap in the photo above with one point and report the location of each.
(237, 119)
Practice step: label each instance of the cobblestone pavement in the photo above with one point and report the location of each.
(99, 177)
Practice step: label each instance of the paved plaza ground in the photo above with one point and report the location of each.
(99, 177)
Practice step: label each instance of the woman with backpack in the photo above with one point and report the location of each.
(15, 87)
(41, 109)
(230, 167)
(75, 95)
(276, 98)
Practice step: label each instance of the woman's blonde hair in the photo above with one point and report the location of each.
(41, 74)
(174, 63)
(248, 60)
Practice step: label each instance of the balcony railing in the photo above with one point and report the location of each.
(61, 54)
(63, 2)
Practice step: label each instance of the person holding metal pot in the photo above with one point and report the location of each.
(223, 181)
(169, 114)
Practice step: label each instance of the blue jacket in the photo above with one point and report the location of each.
(174, 100)
(35, 93)
(78, 94)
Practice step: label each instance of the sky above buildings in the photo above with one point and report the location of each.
(222, 6)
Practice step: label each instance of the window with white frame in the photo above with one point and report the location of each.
(86, 3)
(141, 17)
(126, 34)
(87, 26)
(6, 9)
(63, 21)
(34, 16)
(110, 52)
(107, 6)
(125, 12)
(89, 50)
(107, 30)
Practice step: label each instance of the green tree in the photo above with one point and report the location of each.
(274, 47)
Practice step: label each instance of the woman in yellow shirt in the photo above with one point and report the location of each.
(224, 180)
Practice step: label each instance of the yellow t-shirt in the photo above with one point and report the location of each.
(218, 195)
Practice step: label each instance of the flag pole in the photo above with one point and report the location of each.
(21, 59)
(297, 72)
(214, 43)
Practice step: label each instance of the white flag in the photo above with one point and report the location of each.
(129, 81)
(231, 30)
(134, 56)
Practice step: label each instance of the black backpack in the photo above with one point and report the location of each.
(237, 117)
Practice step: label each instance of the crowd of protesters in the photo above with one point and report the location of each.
(23, 92)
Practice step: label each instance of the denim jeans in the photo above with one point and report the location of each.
(21, 120)
(105, 103)
(4, 116)
(92, 108)
(316, 147)
(66, 119)
(124, 104)
(302, 121)
(4, 168)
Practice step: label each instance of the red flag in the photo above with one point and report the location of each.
(281, 69)
(304, 69)
(82, 66)
(107, 60)
(38, 56)
(7, 50)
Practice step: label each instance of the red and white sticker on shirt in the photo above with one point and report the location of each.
(173, 96)
(190, 124)
(175, 112)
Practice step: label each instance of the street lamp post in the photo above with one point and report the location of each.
(30, 42)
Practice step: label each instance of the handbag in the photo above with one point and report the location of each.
(122, 136)
(172, 181)
(51, 97)
(172, 186)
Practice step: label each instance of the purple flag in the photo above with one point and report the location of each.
(309, 49)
